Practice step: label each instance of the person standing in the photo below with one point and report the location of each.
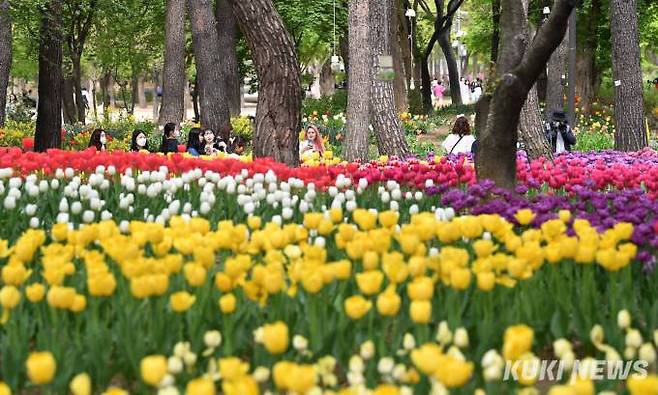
(559, 133)
(438, 90)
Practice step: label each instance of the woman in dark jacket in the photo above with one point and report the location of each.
(98, 139)
(169, 139)
(194, 140)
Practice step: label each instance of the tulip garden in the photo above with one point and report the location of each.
(131, 273)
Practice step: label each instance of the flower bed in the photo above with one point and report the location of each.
(152, 274)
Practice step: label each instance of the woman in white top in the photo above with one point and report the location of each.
(461, 139)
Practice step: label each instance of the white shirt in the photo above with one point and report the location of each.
(462, 146)
(559, 144)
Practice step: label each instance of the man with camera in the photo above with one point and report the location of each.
(559, 133)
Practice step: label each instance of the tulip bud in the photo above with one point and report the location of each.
(624, 319)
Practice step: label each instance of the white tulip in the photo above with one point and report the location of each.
(34, 222)
(30, 209)
(62, 218)
(286, 213)
(88, 216)
(10, 203)
(15, 182)
(106, 215)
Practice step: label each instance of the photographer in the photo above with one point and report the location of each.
(559, 133)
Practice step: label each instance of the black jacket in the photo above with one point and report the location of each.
(552, 129)
(170, 145)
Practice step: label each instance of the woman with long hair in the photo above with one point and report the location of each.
(98, 139)
(312, 141)
(139, 141)
(194, 141)
(169, 138)
(461, 139)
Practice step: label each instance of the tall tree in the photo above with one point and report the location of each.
(211, 87)
(398, 42)
(495, 34)
(627, 75)
(49, 112)
(359, 75)
(388, 129)
(496, 155)
(530, 124)
(442, 26)
(175, 79)
(554, 82)
(227, 29)
(79, 20)
(278, 116)
(5, 55)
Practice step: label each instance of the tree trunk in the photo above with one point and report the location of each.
(70, 111)
(212, 92)
(327, 80)
(226, 29)
(5, 56)
(278, 115)
(134, 85)
(195, 101)
(453, 70)
(93, 99)
(425, 78)
(141, 96)
(399, 85)
(555, 74)
(77, 88)
(495, 35)
(110, 90)
(531, 128)
(388, 129)
(518, 69)
(173, 89)
(588, 71)
(105, 83)
(359, 75)
(49, 112)
(627, 75)
(405, 46)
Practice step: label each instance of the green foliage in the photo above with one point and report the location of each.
(14, 132)
(331, 105)
(454, 110)
(243, 127)
(419, 148)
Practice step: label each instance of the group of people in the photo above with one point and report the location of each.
(199, 142)
(556, 130)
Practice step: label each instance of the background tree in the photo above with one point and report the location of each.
(5, 55)
(278, 114)
(442, 26)
(554, 78)
(174, 81)
(359, 75)
(226, 30)
(385, 120)
(627, 74)
(211, 86)
(519, 69)
(49, 112)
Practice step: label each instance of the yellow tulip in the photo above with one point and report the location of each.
(80, 384)
(201, 386)
(223, 282)
(388, 303)
(452, 372)
(460, 278)
(370, 282)
(246, 385)
(195, 274)
(41, 367)
(232, 368)
(153, 369)
(638, 385)
(517, 341)
(421, 288)
(79, 303)
(275, 337)
(357, 306)
(420, 311)
(181, 301)
(10, 296)
(524, 216)
(426, 357)
(227, 303)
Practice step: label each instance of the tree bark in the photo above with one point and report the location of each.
(327, 80)
(404, 31)
(531, 128)
(280, 94)
(399, 85)
(70, 111)
(555, 73)
(141, 96)
(226, 30)
(211, 87)
(77, 88)
(173, 89)
(630, 134)
(453, 70)
(388, 129)
(495, 35)
(425, 78)
(5, 56)
(49, 112)
(359, 75)
(518, 68)
(588, 71)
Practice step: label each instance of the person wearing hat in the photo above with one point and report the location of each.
(559, 133)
